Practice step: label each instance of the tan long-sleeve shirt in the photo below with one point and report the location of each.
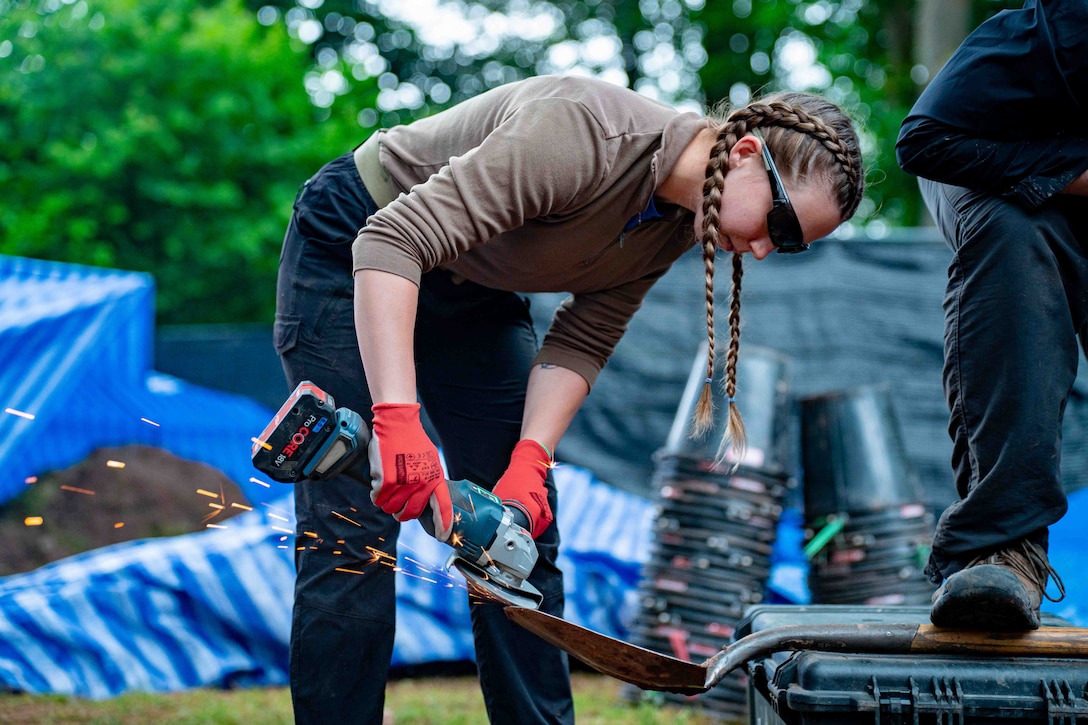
(527, 188)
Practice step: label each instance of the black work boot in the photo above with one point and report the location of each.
(1001, 591)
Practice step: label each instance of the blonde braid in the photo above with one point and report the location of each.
(735, 431)
(712, 199)
(778, 114)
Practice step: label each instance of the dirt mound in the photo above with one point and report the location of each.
(116, 494)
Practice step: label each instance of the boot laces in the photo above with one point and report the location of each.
(1027, 559)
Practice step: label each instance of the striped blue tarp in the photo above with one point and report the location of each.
(212, 609)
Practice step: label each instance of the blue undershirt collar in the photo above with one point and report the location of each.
(647, 214)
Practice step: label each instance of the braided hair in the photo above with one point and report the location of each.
(810, 139)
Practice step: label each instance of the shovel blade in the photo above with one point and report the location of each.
(636, 665)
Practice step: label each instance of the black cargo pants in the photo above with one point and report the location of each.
(473, 348)
(1016, 301)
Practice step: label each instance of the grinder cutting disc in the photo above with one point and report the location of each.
(484, 584)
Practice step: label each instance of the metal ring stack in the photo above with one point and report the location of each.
(867, 529)
(715, 527)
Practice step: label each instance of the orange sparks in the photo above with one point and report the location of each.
(21, 414)
(260, 482)
(209, 494)
(119, 525)
(349, 571)
(150, 422)
(30, 479)
(73, 489)
(261, 443)
(33, 521)
(216, 506)
(380, 555)
(345, 518)
(242, 506)
(337, 552)
(311, 534)
(115, 464)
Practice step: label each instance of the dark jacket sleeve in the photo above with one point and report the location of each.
(1028, 172)
(1007, 112)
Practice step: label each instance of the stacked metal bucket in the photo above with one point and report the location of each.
(716, 526)
(866, 526)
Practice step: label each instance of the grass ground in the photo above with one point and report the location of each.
(427, 701)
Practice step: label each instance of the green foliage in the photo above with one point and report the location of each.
(166, 136)
(170, 136)
(859, 53)
(866, 49)
(434, 65)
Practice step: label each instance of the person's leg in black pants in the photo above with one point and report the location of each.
(344, 611)
(474, 347)
(1016, 300)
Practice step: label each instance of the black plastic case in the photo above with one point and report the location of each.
(820, 687)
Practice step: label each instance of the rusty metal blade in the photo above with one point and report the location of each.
(636, 665)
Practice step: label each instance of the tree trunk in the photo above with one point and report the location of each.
(939, 27)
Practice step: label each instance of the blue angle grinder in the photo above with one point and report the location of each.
(310, 438)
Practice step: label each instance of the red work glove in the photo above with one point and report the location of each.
(522, 486)
(406, 470)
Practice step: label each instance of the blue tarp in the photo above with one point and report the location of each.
(75, 347)
(211, 608)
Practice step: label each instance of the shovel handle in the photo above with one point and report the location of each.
(1043, 642)
(896, 639)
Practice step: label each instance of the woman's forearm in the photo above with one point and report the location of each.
(385, 314)
(552, 398)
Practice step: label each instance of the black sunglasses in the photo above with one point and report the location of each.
(782, 225)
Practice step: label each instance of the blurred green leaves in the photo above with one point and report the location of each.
(167, 136)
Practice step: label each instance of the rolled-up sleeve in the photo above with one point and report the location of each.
(1028, 172)
(587, 327)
